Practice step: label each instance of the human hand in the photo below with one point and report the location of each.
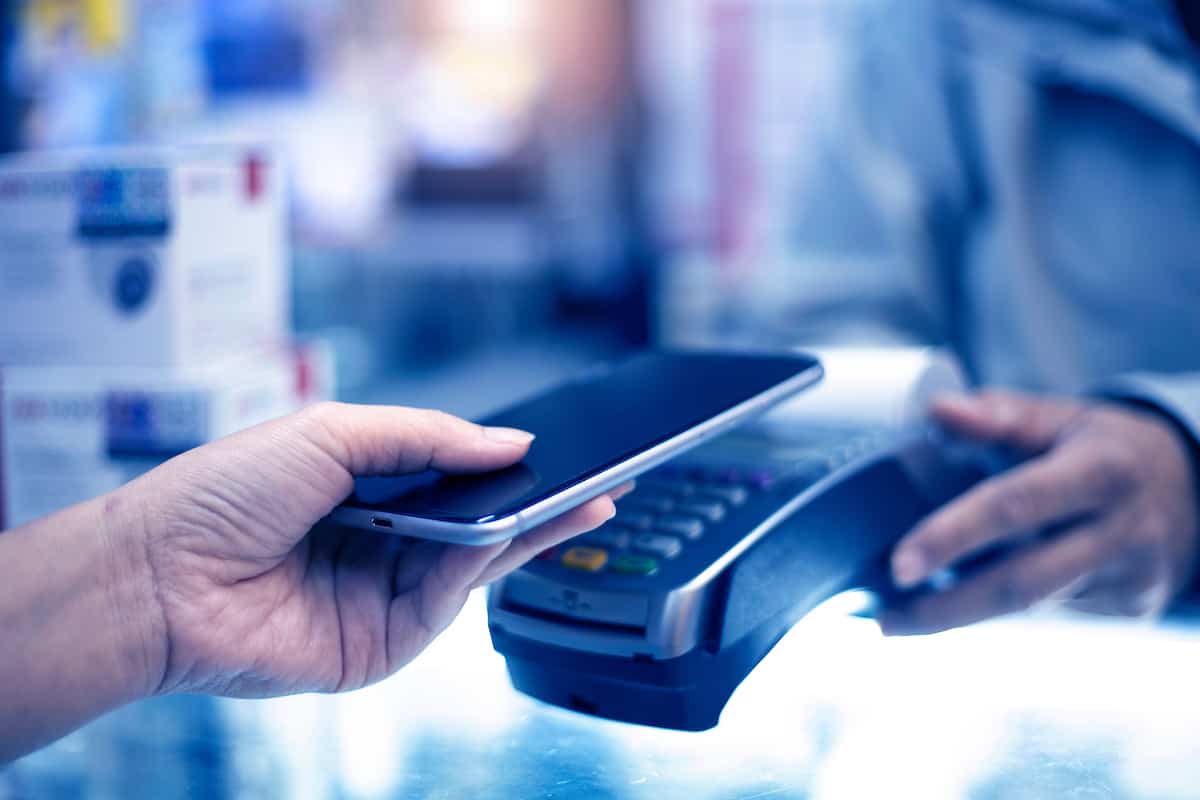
(1103, 518)
(249, 603)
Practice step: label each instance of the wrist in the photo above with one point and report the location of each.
(78, 616)
(141, 644)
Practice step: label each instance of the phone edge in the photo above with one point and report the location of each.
(513, 525)
(580, 493)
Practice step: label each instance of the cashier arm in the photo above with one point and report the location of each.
(916, 208)
(206, 574)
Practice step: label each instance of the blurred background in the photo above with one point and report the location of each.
(495, 193)
(464, 175)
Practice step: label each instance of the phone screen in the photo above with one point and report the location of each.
(584, 427)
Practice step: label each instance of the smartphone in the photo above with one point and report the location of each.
(594, 433)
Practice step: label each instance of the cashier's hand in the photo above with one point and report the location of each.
(250, 603)
(1103, 518)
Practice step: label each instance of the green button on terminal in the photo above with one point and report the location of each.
(630, 564)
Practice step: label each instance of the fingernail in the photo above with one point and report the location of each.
(508, 436)
(908, 569)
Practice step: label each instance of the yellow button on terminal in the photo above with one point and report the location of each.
(585, 559)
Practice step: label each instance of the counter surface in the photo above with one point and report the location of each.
(1021, 709)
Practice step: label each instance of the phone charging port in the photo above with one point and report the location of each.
(380, 522)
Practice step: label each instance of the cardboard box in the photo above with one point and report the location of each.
(71, 434)
(159, 258)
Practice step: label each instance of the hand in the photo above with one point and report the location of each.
(250, 603)
(1103, 518)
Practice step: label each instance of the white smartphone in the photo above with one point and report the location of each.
(593, 434)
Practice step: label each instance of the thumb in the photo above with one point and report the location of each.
(262, 489)
(1022, 421)
(383, 440)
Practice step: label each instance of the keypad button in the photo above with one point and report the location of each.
(609, 536)
(733, 495)
(763, 479)
(712, 512)
(645, 501)
(729, 475)
(635, 520)
(634, 564)
(585, 559)
(662, 546)
(815, 466)
(687, 527)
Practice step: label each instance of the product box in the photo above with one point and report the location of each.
(170, 257)
(70, 434)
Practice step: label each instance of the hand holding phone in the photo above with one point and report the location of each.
(207, 575)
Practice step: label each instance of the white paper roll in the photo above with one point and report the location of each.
(889, 387)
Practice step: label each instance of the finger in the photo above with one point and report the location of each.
(461, 566)
(622, 490)
(1131, 605)
(1028, 423)
(382, 440)
(1023, 580)
(416, 559)
(514, 553)
(362, 593)
(1067, 483)
(418, 613)
(1138, 595)
(587, 517)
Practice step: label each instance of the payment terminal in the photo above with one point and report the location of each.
(659, 615)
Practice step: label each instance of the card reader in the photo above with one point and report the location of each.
(659, 615)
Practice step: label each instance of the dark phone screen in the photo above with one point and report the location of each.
(583, 427)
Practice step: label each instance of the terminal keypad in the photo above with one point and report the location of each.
(680, 507)
(669, 509)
